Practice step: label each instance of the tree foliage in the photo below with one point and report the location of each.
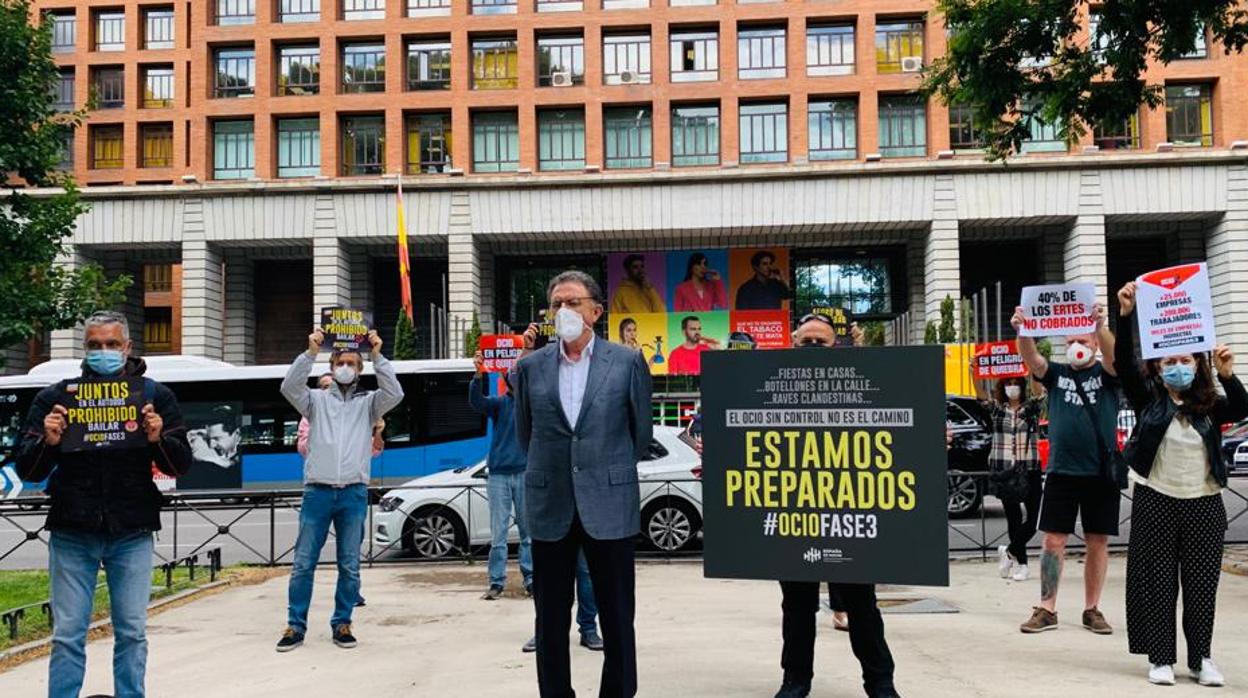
(38, 295)
(472, 338)
(404, 338)
(947, 334)
(1012, 61)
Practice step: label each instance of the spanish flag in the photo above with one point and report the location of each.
(405, 267)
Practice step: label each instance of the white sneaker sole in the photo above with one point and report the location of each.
(288, 648)
(1208, 683)
(1161, 682)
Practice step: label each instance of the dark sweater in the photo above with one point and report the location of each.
(505, 457)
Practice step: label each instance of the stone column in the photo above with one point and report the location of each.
(1227, 250)
(203, 302)
(1084, 251)
(463, 277)
(941, 265)
(240, 309)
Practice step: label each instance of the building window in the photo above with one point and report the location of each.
(110, 31)
(299, 70)
(1189, 115)
(559, 5)
(235, 74)
(429, 65)
(157, 278)
(65, 148)
(495, 64)
(363, 145)
(899, 47)
(493, 7)
(428, 143)
(963, 135)
(1200, 44)
(236, 11)
(417, 8)
(233, 149)
(626, 59)
(760, 53)
(364, 68)
(1098, 41)
(560, 61)
(625, 4)
(1118, 135)
(833, 129)
(863, 286)
(63, 91)
(64, 31)
(157, 140)
(107, 148)
(291, 11)
(298, 147)
(157, 87)
(695, 135)
(157, 330)
(628, 137)
(1045, 136)
(363, 9)
(495, 142)
(110, 88)
(903, 126)
(561, 139)
(764, 130)
(695, 56)
(158, 28)
(830, 49)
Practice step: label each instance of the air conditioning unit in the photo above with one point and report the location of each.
(911, 64)
(562, 78)
(629, 77)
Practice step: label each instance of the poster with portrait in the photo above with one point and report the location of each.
(644, 332)
(693, 334)
(759, 278)
(760, 329)
(697, 281)
(637, 282)
(214, 430)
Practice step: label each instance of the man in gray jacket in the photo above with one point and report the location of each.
(335, 476)
(583, 419)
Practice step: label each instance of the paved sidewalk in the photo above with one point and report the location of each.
(426, 634)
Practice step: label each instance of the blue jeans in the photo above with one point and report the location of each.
(74, 563)
(346, 508)
(506, 494)
(586, 608)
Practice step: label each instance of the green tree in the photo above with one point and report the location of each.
(930, 334)
(472, 338)
(404, 339)
(1011, 61)
(38, 295)
(873, 333)
(947, 333)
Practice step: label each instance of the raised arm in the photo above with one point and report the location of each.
(1036, 362)
(295, 384)
(1235, 408)
(1105, 338)
(1128, 369)
(477, 399)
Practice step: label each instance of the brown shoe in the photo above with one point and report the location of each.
(1094, 620)
(1041, 620)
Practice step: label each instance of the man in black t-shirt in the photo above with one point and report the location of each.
(765, 290)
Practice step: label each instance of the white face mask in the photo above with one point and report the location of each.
(344, 375)
(569, 324)
(1079, 354)
(1013, 392)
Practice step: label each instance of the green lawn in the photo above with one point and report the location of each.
(22, 587)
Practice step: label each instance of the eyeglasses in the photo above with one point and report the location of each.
(571, 303)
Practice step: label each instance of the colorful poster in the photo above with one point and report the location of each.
(500, 351)
(637, 282)
(825, 466)
(1058, 309)
(996, 360)
(697, 281)
(760, 329)
(759, 278)
(1175, 308)
(644, 332)
(693, 334)
(103, 413)
(346, 329)
(214, 431)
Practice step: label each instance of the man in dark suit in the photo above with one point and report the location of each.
(583, 419)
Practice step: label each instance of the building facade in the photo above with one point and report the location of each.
(242, 147)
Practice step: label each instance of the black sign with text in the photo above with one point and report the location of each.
(104, 413)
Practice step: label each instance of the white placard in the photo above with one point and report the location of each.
(1175, 309)
(1058, 309)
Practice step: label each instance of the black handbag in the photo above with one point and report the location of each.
(1113, 464)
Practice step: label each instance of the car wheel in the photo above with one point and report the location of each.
(670, 524)
(434, 533)
(965, 495)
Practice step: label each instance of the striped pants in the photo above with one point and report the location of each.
(1174, 542)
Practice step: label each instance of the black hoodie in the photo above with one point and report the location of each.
(109, 491)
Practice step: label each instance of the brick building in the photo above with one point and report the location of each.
(239, 149)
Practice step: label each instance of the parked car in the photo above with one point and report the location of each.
(968, 454)
(446, 513)
(1235, 447)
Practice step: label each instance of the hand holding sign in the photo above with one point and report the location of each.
(1175, 311)
(1058, 309)
(1126, 299)
(375, 340)
(346, 329)
(315, 339)
(54, 425)
(153, 423)
(1224, 361)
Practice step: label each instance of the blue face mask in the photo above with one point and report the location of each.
(1178, 376)
(105, 362)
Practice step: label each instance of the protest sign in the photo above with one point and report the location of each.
(767, 329)
(214, 431)
(842, 321)
(104, 413)
(500, 351)
(825, 465)
(1058, 309)
(1176, 311)
(346, 329)
(995, 360)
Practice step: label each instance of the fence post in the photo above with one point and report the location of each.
(272, 530)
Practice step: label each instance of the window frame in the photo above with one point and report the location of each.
(560, 139)
(162, 18)
(108, 85)
(486, 53)
(164, 80)
(866, 304)
(710, 115)
(353, 127)
(63, 23)
(114, 146)
(564, 47)
(370, 58)
(830, 38)
(363, 10)
(427, 8)
(504, 131)
(1128, 140)
(66, 84)
(492, 7)
(233, 56)
(897, 109)
(418, 125)
(164, 131)
(287, 168)
(758, 49)
(627, 45)
(288, 56)
(109, 27)
(1204, 101)
(298, 11)
(635, 131)
(904, 32)
(760, 117)
(238, 141)
(815, 132)
(418, 54)
(962, 121)
(236, 12)
(704, 45)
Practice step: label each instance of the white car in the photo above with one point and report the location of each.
(448, 513)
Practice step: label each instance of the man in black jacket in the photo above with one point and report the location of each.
(104, 510)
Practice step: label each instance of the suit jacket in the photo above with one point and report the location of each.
(590, 470)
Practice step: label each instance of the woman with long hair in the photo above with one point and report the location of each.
(1178, 520)
(703, 288)
(628, 337)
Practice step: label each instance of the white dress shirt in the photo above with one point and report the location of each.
(573, 375)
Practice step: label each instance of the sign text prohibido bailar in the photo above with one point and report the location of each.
(105, 413)
(346, 329)
(825, 465)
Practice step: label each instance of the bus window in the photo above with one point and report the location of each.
(13, 407)
(440, 410)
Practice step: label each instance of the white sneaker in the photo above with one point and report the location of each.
(1020, 573)
(1209, 674)
(1003, 561)
(1161, 674)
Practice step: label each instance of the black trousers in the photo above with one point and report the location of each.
(800, 605)
(1173, 542)
(1022, 528)
(554, 578)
